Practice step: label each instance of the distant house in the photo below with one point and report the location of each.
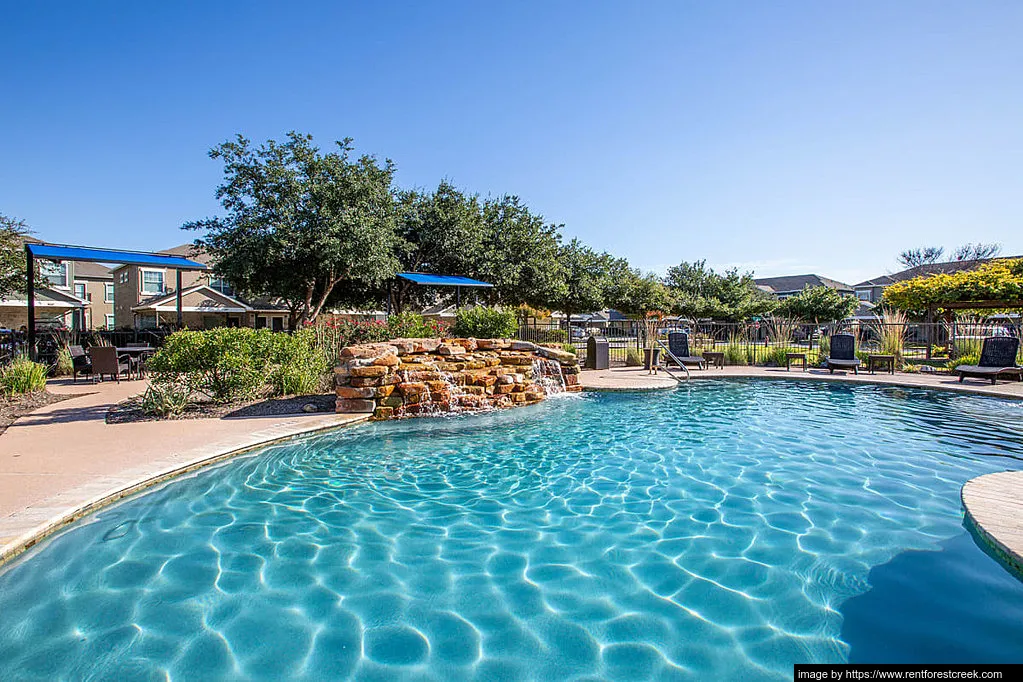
(790, 285)
(146, 298)
(873, 289)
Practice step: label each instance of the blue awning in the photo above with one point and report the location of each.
(442, 280)
(89, 254)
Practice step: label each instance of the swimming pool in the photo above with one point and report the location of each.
(724, 530)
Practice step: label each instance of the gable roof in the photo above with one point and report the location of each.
(92, 270)
(171, 298)
(790, 283)
(946, 268)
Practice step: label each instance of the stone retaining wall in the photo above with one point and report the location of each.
(409, 377)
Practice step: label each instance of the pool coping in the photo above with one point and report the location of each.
(54, 524)
(994, 509)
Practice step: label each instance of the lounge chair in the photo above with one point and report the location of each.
(80, 362)
(843, 353)
(678, 344)
(997, 358)
(105, 361)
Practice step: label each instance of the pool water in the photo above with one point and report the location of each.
(724, 530)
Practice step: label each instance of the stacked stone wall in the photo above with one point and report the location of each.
(410, 377)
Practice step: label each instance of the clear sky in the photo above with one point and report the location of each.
(786, 137)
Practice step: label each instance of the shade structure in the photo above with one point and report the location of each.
(426, 279)
(442, 280)
(94, 255)
(67, 252)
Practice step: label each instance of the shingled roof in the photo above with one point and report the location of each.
(930, 269)
(796, 283)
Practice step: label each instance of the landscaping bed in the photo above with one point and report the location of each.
(131, 410)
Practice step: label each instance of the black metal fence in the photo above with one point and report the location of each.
(766, 342)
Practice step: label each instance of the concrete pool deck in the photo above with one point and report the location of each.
(64, 460)
(994, 504)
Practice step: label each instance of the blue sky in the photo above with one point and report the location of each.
(786, 137)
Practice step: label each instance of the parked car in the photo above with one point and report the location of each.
(579, 333)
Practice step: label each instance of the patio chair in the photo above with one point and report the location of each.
(140, 359)
(997, 358)
(678, 344)
(843, 353)
(106, 361)
(80, 363)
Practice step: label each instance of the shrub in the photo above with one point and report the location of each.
(568, 348)
(227, 364)
(22, 376)
(485, 323)
(736, 351)
(776, 355)
(164, 399)
(295, 365)
(966, 359)
(65, 365)
(633, 357)
(413, 326)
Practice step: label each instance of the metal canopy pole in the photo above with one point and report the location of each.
(30, 277)
(458, 297)
(178, 297)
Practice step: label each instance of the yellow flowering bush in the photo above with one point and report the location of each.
(997, 281)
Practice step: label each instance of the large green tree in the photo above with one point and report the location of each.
(439, 232)
(12, 256)
(519, 254)
(587, 280)
(699, 292)
(819, 304)
(300, 221)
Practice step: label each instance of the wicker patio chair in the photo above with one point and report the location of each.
(678, 344)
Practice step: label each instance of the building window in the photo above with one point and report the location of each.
(110, 320)
(152, 281)
(123, 278)
(80, 290)
(221, 285)
(108, 292)
(55, 274)
(863, 295)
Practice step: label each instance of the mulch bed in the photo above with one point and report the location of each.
(19, 405)
(131, 411)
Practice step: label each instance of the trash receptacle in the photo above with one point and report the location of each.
(597, 353)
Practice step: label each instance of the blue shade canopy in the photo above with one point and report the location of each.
(87, 253)
(442, 280)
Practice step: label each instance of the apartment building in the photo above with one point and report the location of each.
(146, 298)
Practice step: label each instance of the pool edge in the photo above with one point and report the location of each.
(29, 539)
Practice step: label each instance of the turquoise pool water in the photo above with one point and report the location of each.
(721, 531)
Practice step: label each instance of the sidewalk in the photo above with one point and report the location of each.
(59, 461)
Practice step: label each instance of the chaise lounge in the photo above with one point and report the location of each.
(678, 344)
(843, 353)
(997, 358)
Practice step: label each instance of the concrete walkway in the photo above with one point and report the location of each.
(64, 460)
(637, 378)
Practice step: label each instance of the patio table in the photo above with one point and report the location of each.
(136, 353)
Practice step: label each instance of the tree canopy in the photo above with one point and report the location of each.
(699, 292)
(818, 304)
(300, 221)
(12, 256)
(1000, 281)
(928, 255)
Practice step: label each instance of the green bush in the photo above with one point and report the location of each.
(485, 323)
(412, 326)
(736, 354)
(568, 348)
(228, 364)
(22, 376)
(633, 357)
(65, 365)
(968, 359)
